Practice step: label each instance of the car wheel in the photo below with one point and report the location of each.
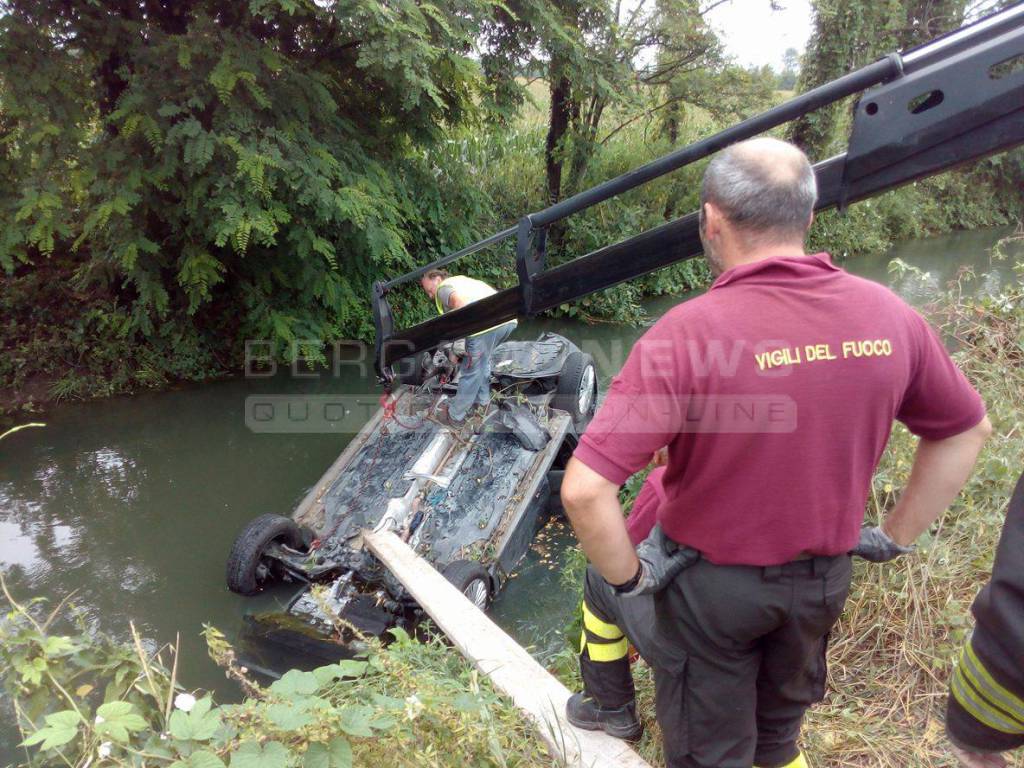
(576, 391)
(472, 580)
(248, 568)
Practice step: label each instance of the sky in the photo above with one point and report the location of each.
(755, 34)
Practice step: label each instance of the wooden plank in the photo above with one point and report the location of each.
(512, 670)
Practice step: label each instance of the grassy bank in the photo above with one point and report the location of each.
(905, 623)
(893, 650)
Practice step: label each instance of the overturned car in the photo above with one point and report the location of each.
(469, 503)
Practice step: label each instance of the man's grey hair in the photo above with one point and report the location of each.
(765, 187)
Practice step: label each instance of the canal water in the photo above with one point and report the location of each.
(132, 503)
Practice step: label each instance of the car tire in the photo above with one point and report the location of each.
(247, 571)
(576, 390)
(472, 580)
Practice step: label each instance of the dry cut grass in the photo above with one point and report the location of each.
(894, 649)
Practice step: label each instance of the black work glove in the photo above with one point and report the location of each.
(876, 546)
(661, 560)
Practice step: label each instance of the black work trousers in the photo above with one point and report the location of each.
(738, 654)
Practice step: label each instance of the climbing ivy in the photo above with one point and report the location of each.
(851, 33)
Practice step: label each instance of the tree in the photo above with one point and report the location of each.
(790, 69)
(791, 60)
(581, 49)
(927, 19)
(260, 160)
(851, 33)
(599, 56)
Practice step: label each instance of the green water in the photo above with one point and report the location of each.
(132, 503)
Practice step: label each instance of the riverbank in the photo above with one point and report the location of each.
(420, 704)
(62, 344)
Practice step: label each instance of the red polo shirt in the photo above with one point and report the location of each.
(775, 393)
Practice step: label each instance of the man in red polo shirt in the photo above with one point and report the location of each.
(775, 394)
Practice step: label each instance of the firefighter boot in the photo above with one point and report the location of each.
(608, 699)
(621, 722)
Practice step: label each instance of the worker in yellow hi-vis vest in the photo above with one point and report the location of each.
(451, 292)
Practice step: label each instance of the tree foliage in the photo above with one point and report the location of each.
(851, 33)
(181, 176)
(595, 56)
(264, 159)
(790, 69)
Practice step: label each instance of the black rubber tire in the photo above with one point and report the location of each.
(251, 544)
(567, 390)
(465, 575)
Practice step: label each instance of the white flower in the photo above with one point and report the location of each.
(413, 706)
(185, 702)
(100, 720)
(104, 750)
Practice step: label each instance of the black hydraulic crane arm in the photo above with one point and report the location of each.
(950, 101)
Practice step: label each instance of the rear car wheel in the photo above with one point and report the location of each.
(472, 580)
(248, 568)
(576, 391)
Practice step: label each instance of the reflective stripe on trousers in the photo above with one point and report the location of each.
(600, 640)
(798, 762)
(986, 700)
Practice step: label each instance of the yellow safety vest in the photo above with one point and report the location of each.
(470, 290)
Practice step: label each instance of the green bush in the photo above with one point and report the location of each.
(265, 160)
(81, 700)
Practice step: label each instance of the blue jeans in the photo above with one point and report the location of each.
(475, 371)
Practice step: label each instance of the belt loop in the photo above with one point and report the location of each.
(771, 572)
(820, 566)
